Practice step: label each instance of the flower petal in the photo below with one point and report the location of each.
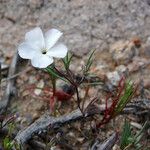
(41, 61)
(58, 51)
(35, 38)
(26, 51)
(51, 37)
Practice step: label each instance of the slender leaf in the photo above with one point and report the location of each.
(89, 63)
(67, 60)
(126, 134)
(53, 73)
(125, 98)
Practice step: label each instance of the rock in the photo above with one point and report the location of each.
(35, 116)
(64, 91)
(92, 92)
(113, 77)
(148, 40)
(18, 120)
(137, 63)
(77, 66)
(60, 84)
(26, 93)
(4, 66)
(100, 69)
(4, 69)
(54, 148)
(136, 125)
(146, 83)
(80, 139)
(71, 134)
(123, 51)
(40, 85)
(65, 87)
(32, 79)
(122, 70)
(116, 147)
(24, 120)
(101, 65)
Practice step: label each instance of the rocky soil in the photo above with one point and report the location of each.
(119, 30)
(87, 24)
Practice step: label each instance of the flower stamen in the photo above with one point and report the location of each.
(44, 51)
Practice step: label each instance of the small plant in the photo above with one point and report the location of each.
(7, 142)
(128, 140)
(44, 45)
(125, 135)
(8, 122)
(42, 50)
(124, 92)
(69, 76)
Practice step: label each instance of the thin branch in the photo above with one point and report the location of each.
(16, 75)
(10, 86)
(73, 83)
(78, 99)
(37, 144)
(107, 145)
(47, 121)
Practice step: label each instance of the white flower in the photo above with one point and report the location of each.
(41, 48)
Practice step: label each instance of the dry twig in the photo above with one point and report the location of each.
(10, 85)
(107, 145)
(48, 121)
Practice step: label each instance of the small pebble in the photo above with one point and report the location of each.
(113, 77)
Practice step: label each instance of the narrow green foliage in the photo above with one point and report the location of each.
(67, 61)
(128, 140)
(89, 63)
(125, 98)
(94, 83)
(7, 143)
(53, 73)
(140, 134)
(126, 134)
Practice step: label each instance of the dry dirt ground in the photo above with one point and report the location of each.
(118, 29)
(87, 24)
